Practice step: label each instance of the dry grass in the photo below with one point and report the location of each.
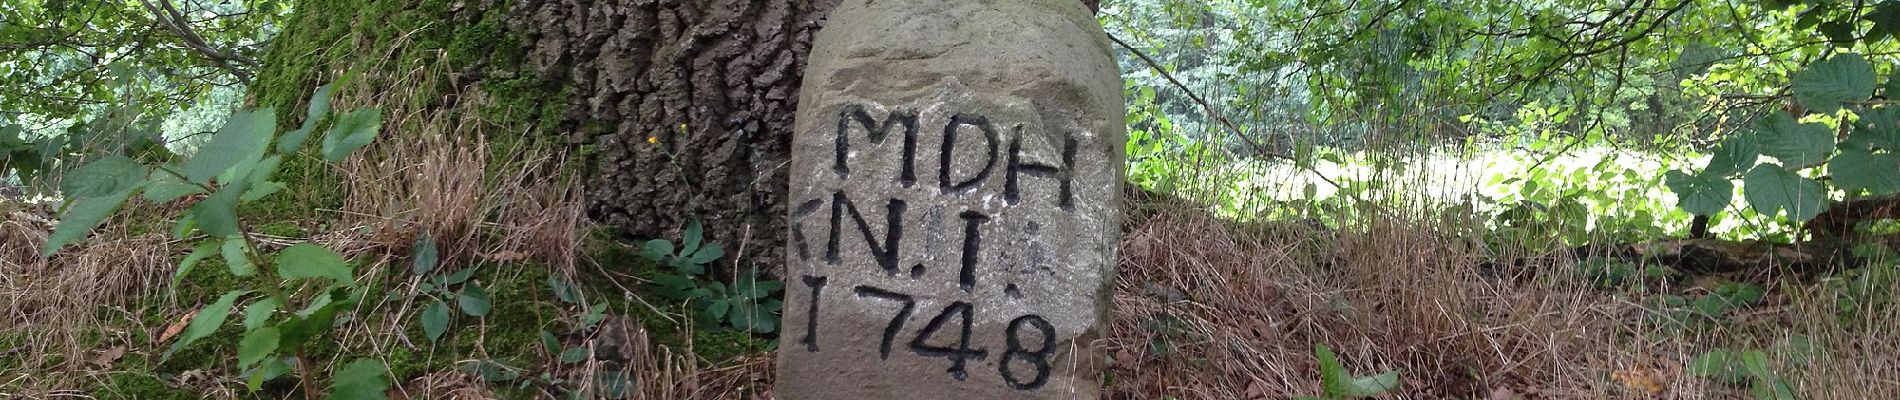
(73, 313)
(1212, 309)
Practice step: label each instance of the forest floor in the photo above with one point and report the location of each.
(1204, 308)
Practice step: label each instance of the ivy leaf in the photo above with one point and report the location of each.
(305, 261)
(435, 320)
(1700, 194)
(235, 258)
(319, 107)
(102, 177)
(206, 322)
(1796, 144)
(474, 300)
(1771, 190)
(1825, 84)
(363, 379)
(257, 345)
(245, 136)
(81, 217)
(351, 131)
(1856, 169)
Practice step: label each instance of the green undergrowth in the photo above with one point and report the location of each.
(715, 346)
(523, 306)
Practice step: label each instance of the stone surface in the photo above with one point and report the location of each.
(955, 187)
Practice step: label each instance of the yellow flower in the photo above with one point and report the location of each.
(653, 139)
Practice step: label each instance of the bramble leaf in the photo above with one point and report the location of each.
(206, 322)
(83, 215)
(305, 260)
(351, 131)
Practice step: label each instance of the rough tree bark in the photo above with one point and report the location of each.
(713, 83)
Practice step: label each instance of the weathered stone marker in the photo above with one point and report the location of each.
(956, 184)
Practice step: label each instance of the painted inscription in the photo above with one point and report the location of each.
(995, 148)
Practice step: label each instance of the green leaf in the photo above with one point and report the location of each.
(204, 250)
(1717, 363)
(574, 355)
(1856, 169)
(548, 341)
(595, 314)
(563, 290)
(656, 249)
(1796, 144)
(182, 229)
(258, 191)
(1331, 375)
(1825, 84)
(691, 239)
(234, 257)
(271, 368)
(1374, 385)
(458, 277)
(351, 131)
(257, 345)
(708, 254)
(718, 309)
(1771, 190)
(489, 370)
(217, 215)
(206, 322)
(1756, 363)
(1736, 154)
(245, 136)
(474, 300)
(102, 177)
(424, 256)
(1878, 127)
(1700, 194)
(259, 312)
(319, 107)
(363, 379)
(81, 217)
(435, 320)
(163, 187)
(305, 261)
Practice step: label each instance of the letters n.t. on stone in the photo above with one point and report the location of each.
(956, 203)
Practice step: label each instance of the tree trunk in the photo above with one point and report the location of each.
(688, 105)
(683, 108)
(713, 83)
